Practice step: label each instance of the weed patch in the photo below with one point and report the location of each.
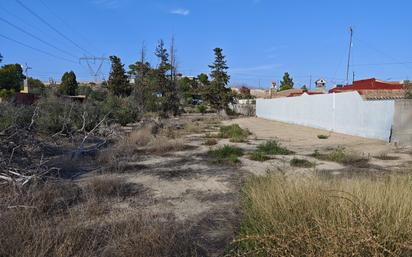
(226, 154)
(258, 156)
(234, 132)
(340, 155)
(301, 163)
(272, 147)
(323, 136)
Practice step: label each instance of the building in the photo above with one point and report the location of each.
(374, 89)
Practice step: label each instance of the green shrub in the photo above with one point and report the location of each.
(258, 156)
(226, 154)
(234, 132)
(323, 136)
(301, 163)
(202, 108)
(272, 147)
(12, 115)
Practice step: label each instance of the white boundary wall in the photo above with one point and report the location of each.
(346, 113)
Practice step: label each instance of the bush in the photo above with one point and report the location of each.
(202, 109)
(122, 110)
(234, 132)
(301, 163)
(12, 115)
(258, 156)
(323, 136)
(316, 217)
(226, 154)
(272, 147)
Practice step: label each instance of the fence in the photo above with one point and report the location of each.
(344, 112)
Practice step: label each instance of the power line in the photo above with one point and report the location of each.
(50, 26)
(35, 37)
(37, 49)
(381, 64)
(66, 23)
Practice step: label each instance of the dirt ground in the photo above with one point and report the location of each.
(205, 195)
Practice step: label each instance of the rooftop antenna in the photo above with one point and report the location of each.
(349, 55)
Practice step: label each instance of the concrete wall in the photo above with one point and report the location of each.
(344, 112)
(402, 125)
(247, 109)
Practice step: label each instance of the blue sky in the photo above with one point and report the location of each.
(260, 38)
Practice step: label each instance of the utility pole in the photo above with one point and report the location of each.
(349, 55)
(310, 82)
(26, 69)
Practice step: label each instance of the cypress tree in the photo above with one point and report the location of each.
(69, 84)
(118, 83)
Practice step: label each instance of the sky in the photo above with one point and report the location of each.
(261, 39)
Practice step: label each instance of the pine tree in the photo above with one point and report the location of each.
(118, 83)
(169, 101)
(304, 88)
(69, 84)
(217, 94)
(286, 83)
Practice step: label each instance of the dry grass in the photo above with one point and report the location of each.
(141, 137)
(58, 219)
(314, 217)
(161, 145)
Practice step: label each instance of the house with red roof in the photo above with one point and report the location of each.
(374, 89)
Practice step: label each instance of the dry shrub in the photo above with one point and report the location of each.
(211, 141)
(161, 145)
(314, 217)
(141, 137)
(125, 150)
(109, 186)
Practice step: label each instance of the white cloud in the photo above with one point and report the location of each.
(180, 11)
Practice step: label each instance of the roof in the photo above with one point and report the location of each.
(369, 84)
(307, 92)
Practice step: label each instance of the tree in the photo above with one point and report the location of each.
(1, 58)
(217, 94)
(245, 92)
(11, 78)
(203, 79)
(286, 83)
(118, 83)
(304, 88)
(169, 101)
(69, 84)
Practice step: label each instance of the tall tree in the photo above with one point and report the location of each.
(217, 94)
(69, 84)
(140, 71)
(1, 58)
(118, 83)
(169, 101)
(11, 77)
(286, 83)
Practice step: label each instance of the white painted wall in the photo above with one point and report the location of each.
(344, 112)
